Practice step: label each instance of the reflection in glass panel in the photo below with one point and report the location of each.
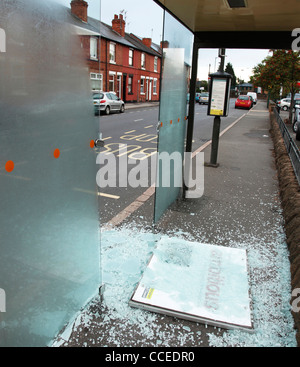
(177, 59)
(49, 249)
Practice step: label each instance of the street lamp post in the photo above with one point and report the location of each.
(215, 63)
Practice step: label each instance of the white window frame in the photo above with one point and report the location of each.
(155, 86)
(155, 63)
(119, 81)
(93, 48)
(112, 55)
(130, 57)
(111, 80)
(130, 84)
(97, 77)
(143, 60)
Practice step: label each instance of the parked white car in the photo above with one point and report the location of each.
(285, 103)
(253, 95)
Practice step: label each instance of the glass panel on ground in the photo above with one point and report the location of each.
(197, 282)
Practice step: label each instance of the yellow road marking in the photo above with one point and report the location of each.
(96, 193)
(131, 208)
(108, 195)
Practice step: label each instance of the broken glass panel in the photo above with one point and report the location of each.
(49, 226)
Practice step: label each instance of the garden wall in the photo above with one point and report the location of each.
(290, 200)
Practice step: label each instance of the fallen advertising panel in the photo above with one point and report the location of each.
(197, 282)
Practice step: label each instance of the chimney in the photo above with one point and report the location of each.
(79, 9)
(147, 42)
(118, 25)
(164, 44)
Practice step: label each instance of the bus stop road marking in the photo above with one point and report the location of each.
(131, 208)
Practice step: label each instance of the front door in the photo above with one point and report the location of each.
(124, 87)
(49, 222)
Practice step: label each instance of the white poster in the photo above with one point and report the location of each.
(198, 282)
(218, 95)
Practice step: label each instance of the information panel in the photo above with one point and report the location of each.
(198, 282)
(218, 95)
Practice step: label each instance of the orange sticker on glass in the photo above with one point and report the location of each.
(56, 153)
(9, 166)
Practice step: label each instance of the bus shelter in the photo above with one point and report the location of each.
(221, 24)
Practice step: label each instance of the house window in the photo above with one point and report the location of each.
(155, 63)
(130, 57)
(111, 85)
(112, 52)
(96, 81)
(154, 86)
(142, 86)
(130, 80)
(93, 48)
(143, 59)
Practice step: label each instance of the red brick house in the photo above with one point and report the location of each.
(129, 65)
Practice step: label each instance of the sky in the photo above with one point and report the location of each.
(145, 18)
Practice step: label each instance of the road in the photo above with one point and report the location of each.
(133, 135)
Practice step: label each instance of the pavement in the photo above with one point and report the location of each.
(240, 207)
(140, 104)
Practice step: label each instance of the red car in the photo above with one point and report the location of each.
(244, 102)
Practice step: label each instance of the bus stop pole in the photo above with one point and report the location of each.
(215, 142)
(217, 123)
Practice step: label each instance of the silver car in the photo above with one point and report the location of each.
(107, 102)
(203, 99)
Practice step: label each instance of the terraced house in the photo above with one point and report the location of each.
(129, 65)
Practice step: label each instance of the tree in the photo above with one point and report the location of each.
(202, 84)
(229, 70)
(240, 81)
(282, 69)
